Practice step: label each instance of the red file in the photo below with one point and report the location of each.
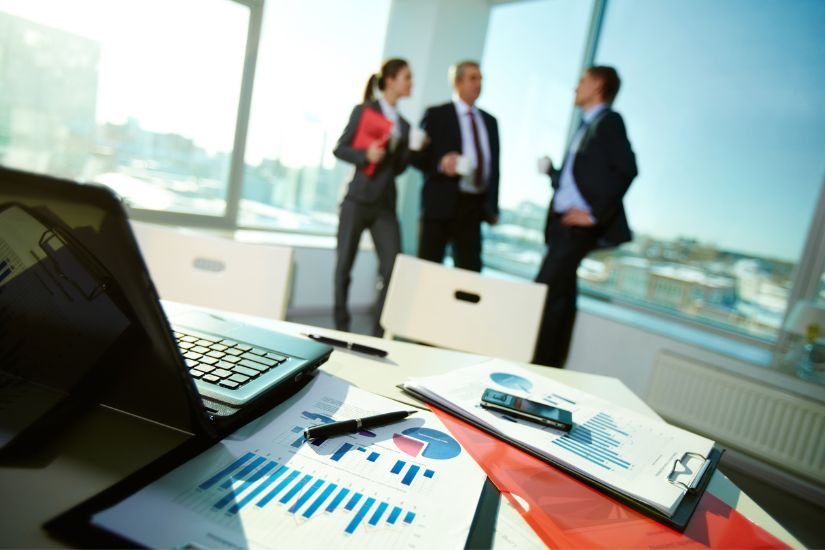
(567, 513)
(372, 127)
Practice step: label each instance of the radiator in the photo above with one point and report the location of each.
(772, 425)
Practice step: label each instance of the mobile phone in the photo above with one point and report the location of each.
(547, 415)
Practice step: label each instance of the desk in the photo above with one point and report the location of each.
(104, 446)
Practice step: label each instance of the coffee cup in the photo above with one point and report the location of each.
(416, 138)
(463, 166)
(544, 164)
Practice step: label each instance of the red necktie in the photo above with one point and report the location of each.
(479, 175)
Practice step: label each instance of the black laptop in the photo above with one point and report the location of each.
(81, 324)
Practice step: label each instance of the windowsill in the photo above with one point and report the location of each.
(734, 356)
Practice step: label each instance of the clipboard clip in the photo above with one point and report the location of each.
(680, 468)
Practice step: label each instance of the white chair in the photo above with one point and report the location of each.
(462, 310)
(253, 279)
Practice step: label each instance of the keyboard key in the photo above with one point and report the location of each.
(209, 360)
(231, 384)
(195, 373)
(205, 342)
(191, 363)
(234, 351)
(243, 347)
(239, 378)
(259, 359)
(253, 365)
(276, 356)
(210, 378)
(215, 354)
(258, 351)
(192, 355)
(218, 347)
(223, 373)
(199, 349)
(231, 358)
(228, 343)
(224, 365)
(252, 373)
(205, 368)
(185, 345)
(188, 338)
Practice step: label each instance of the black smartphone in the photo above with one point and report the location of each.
(547, 415)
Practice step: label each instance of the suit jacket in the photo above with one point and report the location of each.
(439, 194)
(381, 185)
(604, 167)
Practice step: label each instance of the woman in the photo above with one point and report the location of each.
(370, 199)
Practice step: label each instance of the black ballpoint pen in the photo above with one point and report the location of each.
(348, 345)
(349, 426)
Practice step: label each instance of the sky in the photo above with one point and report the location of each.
(722, 101)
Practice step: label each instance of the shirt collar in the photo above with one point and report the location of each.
(462, 107)
(388, 109)
(591, 113)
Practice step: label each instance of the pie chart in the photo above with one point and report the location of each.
(428, 443)
(512, 381)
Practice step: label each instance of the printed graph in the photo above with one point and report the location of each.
(599, 440)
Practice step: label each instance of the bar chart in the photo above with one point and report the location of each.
(256, 481)
(599, 441)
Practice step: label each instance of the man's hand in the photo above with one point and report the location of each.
(448, 164)
(577, 218)
(375, 152)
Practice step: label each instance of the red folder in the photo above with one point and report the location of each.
(372, 127)
(567, 513)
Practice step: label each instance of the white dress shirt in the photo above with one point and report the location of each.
(468, 149)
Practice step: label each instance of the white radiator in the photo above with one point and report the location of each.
(767, 423)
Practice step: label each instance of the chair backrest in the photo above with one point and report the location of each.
(215, 272)
(462, 310)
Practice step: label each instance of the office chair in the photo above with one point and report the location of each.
(463, 310)
(253, 279)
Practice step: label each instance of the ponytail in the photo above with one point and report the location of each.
(369, 92)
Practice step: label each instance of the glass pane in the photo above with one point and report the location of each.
(315, 59)
(723, 104)
(532, 58)
(140, 95)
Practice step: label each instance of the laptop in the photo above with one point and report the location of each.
(81, 323)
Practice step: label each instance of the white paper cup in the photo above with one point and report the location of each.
(416, 138)
(463, 166)
(544, 164)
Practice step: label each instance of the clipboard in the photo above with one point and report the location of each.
(681, 516)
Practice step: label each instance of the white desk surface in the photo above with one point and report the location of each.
(105, 446)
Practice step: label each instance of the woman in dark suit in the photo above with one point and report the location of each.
(370, 199)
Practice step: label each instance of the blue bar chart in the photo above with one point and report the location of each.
(255, 480)
(598, 441)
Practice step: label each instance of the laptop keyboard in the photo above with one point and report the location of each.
(224, 362)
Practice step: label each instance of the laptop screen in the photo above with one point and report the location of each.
(79, 319)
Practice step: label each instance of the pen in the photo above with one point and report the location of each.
(348, 345)
(354, 425)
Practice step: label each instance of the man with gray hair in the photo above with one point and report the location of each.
(461, 173)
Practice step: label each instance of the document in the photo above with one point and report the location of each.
(267, 487)
(645, 459)
(372, 127)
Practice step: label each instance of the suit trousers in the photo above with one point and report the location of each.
(462, 231)
(567, 248)
(382, 223)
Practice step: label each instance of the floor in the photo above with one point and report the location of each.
(801, 518)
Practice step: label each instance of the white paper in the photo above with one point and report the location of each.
(283, 492)
(613, 445)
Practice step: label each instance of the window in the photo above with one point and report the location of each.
(315, 59)
(138, 95)
(723, 106)
(531, 64)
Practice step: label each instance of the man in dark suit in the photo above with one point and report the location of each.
(586, 211)
(461, 173)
